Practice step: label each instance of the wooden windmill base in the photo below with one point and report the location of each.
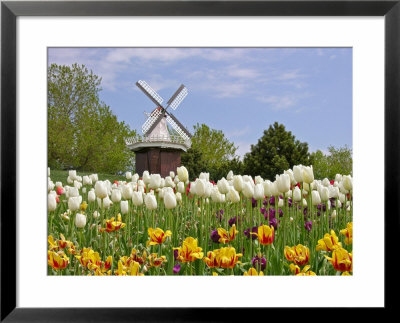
(157, 160)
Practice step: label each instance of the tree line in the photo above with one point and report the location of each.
(84, 134)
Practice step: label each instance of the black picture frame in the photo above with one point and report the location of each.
(10, 10)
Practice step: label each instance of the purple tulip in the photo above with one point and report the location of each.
(254, 230)
(274, 223)
(234, 220)
(290, 202)
(256, 261)
(215, 236)
(272, 200)
(177, 268)
(308, 225)
(263, 210)
(176, 254)
(333, 202)
(280, 213)
(265, 202)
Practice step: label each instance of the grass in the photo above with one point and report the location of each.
(58, 175)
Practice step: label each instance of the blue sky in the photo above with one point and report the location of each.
(241, 91)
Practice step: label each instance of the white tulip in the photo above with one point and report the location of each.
(316, 199)
(248, 190)
(258, 191)
(51, 203)
(333, 215)
(267, 187)
(215, 194)
(283, 183)
(223, 186)
(106, 202)
(59, 184)
(80, 220)
(297, 194)
(304, 203)
(308, 174)
(178, 197)
(128, 175)
(291, 175)
(306, 187)
(339, 204)
(333, 191)
(183, 174)
(86, 180)
(116, 195)
(72, 174)
(280, 202)
(342, 189)
(150, 201)
(100, 189)
(200, 187)
(96, 214)
(137, 198)
(124, 207)
(181, 187)
(347, 182)
(298, 173)
(50, 184)
(135, 177)
(205, 176)
(229, 177)
(77, 184)
(74, 203)
(338, 178)
(169, 200)
(238, 183)
(274, 189)
(258, 180)
(126, 191)
(326, 182)
(169, 182)
(289, 194)
(324, 194)
(146, 177)
(233, 195)
(72, 192)
(70, 180)
(91, 196)
(155, 181)
(94, 178)
(79, 178)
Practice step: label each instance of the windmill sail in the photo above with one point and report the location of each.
(152, 121)
(178, 97)
(153, 95)
(178, 127)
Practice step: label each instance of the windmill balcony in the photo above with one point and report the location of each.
(173, 142)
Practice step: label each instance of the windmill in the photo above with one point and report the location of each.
(158, 151)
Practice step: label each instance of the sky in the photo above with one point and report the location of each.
(241, 91)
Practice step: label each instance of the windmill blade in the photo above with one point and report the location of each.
(152, 121)
(153, 95)
(178, 97)
(179, 128)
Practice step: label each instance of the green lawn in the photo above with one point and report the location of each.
(61, 176)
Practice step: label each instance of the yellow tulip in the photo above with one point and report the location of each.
(157, 236)
(341, 260)
(227, 257)
(348, 233)
(211, 259)
(253, 272)
(225, 236)
(189, 251)
(298, 254)
(56, 260)
(265, 234)
(114, 225)
(134, 269)
(304, 272)
(52, 244)
(329, 242)
(155, 261)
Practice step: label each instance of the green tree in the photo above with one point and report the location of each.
(276, 151)
(337, 161)
(210, 152)
(82, 131)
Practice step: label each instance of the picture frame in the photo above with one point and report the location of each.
(10, 10)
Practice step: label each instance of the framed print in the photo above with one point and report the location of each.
(353, 48)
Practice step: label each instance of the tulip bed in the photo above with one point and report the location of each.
(149, 225)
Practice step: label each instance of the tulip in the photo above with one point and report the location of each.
(341, 260)
(178, 197)
(155, 181)
(73, 192)
(223, 186)
(86, 180)
(233, 195)
(126, 191)
(324, 194)
(51, 203)
(211, 259)
(189, 251)
(329, 242)
(205, 176)
(94, 178)
(137, 198)
(91, 196)
(150, 201)
(298, 254)
(265, 234)
(72, 174)
(259, 261)
(229, 177)
(100, 189)
(116, 195)
(169, 182)
(57, 261)
(252, 272)
(298, 173)
(348, 233)
(200, 187)
(227, 257)
(135, 178)
(124, 207)
(283, 183)
(258, 191)
(333, 191)
(238, 183)
(157, 236)
(267, 187)
(128, 175)
(316, 199)
(146, 177)
(183, 174)
(216, 196)
(248, 189)
(169, 200)
(225, 236)
(342, 198)
(274, 189)
(80, 220)
(114, 225)
(296, 194)
(50, 185)
(347, 182)
(74, 203)
(308, 174)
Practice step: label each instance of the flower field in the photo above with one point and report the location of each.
(149, 225)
